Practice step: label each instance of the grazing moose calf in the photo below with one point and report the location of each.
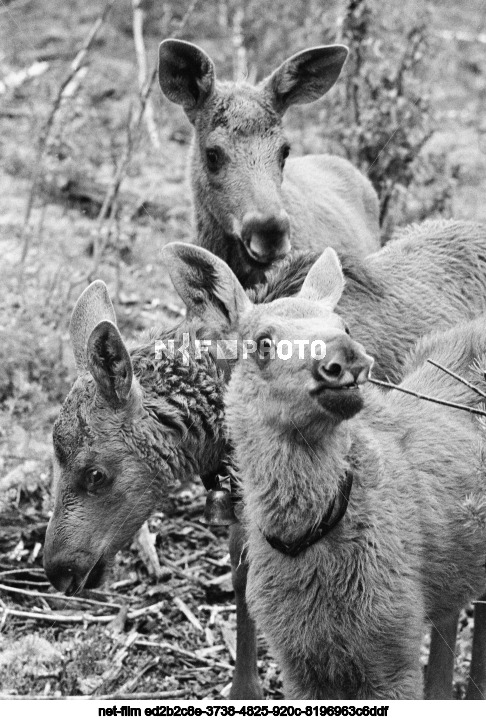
(365, 512)
(133, 424)
(248, 210)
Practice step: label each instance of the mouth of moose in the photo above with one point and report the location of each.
(92, 579)
(344, 401)
(258, 258)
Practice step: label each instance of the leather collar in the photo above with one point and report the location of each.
(325, 526)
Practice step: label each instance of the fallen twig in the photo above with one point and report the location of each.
(146, 545)
(182, 574)
(457, 377)
(116, 665)
(463, 36)
(431, 399)
(184, 608)
(56, 596)
(33, 571)
(80, 618)
(132, 683)
(190, 557)
(104, 697)
(183, 652)
(15, 78)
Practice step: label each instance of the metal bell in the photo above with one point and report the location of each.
(218, 510)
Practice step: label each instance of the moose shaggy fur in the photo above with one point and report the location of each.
(346, 618)
(248, 210)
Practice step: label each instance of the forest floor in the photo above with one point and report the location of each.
(185, 645)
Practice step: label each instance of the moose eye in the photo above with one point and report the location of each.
(95, 479)
(346, 330)
(265, 350)
(284, 154)
(213, 159)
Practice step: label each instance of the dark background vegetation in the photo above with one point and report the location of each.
(87, 191)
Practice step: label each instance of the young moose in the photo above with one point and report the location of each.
(133, 425)
(365, 512)
(247, 209)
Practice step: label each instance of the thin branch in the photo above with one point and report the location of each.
(132, 131)
(56, 596)
(103, 697)
(182, 574)
(132, 682)
(81, 618)
(116, 665)
(138, 41)
(439, 401)
(183, 652)
(66, 84)
(146, 546)
(457, 377)
(184, 608)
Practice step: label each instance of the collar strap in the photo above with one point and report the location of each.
(325, 526)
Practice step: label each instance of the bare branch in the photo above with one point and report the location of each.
(80, 618)
(182, 652)
(66, 89)
(56, 596)
(103, 697)
(133, 128)
(138, 19)
(431, 399)
(457, 377)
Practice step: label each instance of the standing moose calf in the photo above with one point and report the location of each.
(365, 512)
(248, 210)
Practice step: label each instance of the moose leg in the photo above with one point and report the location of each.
(245, 680)
(440, 668)
(476, 688)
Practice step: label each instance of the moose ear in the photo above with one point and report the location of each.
(305, 77)
(93, 306)
(208, 287)
(109, 363)
(325, 280)
(186, 74)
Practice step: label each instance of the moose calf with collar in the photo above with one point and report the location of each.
(365, 511)
(248, 209)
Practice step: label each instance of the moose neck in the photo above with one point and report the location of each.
(290, 478)
(183, 412)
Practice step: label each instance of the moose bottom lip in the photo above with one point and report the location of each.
(344, 401)
(323, 388)
(258, 260)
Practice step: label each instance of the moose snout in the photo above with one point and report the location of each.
(345, 364)
(266, 236)
(68, 569)
(62, 576)
(71, 577)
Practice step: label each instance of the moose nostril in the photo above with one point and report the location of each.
(333, 369)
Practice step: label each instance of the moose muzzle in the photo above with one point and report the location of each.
(338, 376)
(266, 237)
(71, 571)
